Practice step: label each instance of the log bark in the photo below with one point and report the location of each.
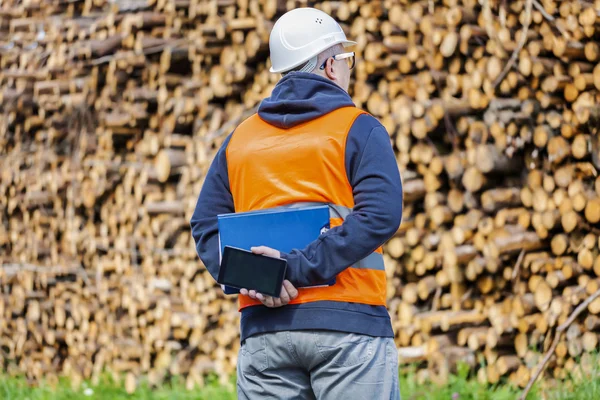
(110, 124)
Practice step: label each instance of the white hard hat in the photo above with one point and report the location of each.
(300, 35)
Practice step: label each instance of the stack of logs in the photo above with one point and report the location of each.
(113, 110)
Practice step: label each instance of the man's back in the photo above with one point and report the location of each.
(304, 163)
(328, 152)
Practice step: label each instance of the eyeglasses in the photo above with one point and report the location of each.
(349, 57)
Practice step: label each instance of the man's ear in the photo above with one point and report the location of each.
(330, 70)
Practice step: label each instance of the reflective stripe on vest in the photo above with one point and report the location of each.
(372, 261)
(335, 210)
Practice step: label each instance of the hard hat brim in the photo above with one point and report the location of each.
(345, 43)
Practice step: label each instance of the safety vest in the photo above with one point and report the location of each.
(271, 167)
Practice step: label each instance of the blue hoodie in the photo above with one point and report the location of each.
(377, 189)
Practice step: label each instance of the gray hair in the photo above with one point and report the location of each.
(317, 60)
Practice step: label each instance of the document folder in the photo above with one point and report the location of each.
(282, 229)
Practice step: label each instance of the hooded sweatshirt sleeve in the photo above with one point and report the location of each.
(215, 198)
(377, 189)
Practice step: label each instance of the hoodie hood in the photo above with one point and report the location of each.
(300, 97)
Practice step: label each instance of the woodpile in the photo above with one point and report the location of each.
(112, 112)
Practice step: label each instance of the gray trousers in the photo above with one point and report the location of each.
(317, 364)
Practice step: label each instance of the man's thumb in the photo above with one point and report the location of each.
(258, 249)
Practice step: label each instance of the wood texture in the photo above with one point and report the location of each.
(112, 112)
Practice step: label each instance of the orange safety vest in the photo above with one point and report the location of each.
(273, 167)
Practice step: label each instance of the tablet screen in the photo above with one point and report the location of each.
(244, 269)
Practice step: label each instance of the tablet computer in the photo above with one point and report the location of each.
(243, 269)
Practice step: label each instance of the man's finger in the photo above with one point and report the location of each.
(291, 290)
(259, 249)
(284, 296)
(244, 292)
(252, 294)
(277, 302)
(268, 301)
(266, 251)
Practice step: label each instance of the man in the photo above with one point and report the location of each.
(308, 143)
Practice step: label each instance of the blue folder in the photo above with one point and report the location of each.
(282, 229)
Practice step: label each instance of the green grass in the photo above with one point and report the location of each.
(460, 387)
(18, 388)
(579, 387)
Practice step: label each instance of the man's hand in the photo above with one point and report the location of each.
(288, 291)
(266, 251)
